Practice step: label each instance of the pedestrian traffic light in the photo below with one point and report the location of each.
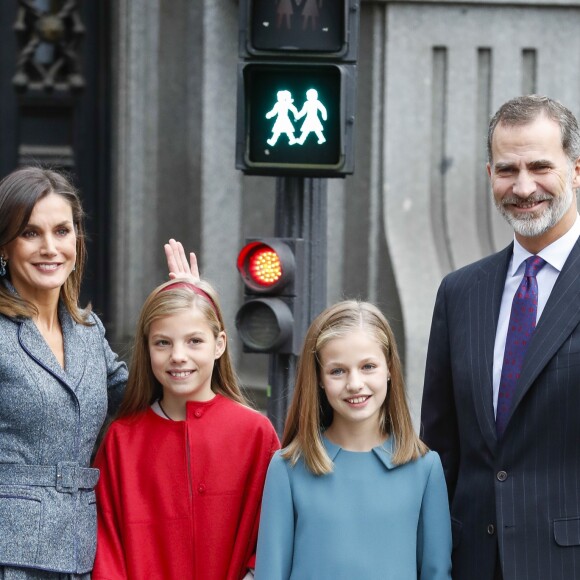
(297, 118)
(297, 87)
(307, 28)
(272, 270)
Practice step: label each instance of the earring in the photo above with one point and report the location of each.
(2, 266)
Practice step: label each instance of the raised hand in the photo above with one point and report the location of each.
(177, 264)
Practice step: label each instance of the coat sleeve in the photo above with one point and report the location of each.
(116, 372)
(276, 535)
(261, 468)
(438, 415)
(110, 558)
(434, 531)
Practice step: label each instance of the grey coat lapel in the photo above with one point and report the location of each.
(559, 318)
(37, 349)
(75, 349)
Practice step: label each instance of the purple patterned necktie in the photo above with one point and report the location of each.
(521, 327)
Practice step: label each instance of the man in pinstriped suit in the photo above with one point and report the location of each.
(515, 498)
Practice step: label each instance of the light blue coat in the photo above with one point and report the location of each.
(368, 520)
(49, 421)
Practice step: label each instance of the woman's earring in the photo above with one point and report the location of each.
(2, 266)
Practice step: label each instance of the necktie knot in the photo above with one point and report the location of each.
(533, 265)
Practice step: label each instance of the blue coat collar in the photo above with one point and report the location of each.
(384, 452)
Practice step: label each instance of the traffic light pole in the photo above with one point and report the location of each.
(292, 65)
(301, 212)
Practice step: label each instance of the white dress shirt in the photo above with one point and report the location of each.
(555, 256)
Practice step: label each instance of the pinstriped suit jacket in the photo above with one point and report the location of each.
(521, 493)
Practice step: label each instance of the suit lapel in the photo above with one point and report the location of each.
(559, 318)
(484, 306)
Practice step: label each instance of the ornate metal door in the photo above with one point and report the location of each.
(55, 107)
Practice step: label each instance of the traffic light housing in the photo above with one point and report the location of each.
(272, 270)
(272, 29)
(297, 87)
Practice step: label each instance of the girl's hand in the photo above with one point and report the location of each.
(177, 264)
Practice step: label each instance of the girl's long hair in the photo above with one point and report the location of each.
(143, 388)
(310, 413)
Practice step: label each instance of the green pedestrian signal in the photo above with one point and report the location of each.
(297, 87)
(312, 107)
(296, 118)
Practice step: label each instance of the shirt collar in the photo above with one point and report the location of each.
(555, 254)
(383, 452)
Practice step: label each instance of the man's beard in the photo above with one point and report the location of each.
(535, 224)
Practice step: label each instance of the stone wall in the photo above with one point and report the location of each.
(430, 75)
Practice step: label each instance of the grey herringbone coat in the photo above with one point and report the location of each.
(49, 421)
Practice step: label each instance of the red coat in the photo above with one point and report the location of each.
(181, 499)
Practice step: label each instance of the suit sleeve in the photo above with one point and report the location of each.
(438, 415)
(276, 535)
(434, 531)
(109, 559)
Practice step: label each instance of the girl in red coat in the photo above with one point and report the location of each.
(184, 464)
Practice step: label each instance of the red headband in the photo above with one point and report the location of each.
(195, 290)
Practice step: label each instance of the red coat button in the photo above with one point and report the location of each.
(201, 488)
(198, 413)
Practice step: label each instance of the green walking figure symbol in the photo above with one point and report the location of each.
(312, 123)
(283, 123)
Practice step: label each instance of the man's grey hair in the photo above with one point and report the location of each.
(526, 109)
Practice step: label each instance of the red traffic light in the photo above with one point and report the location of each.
(272, 270)
(266, 267)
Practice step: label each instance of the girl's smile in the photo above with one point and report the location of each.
(358, 401)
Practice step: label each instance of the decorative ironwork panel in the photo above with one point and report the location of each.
(49, 35)
(55, 108)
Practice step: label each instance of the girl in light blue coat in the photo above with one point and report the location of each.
(354, 493)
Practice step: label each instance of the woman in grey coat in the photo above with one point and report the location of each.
(58, 377)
